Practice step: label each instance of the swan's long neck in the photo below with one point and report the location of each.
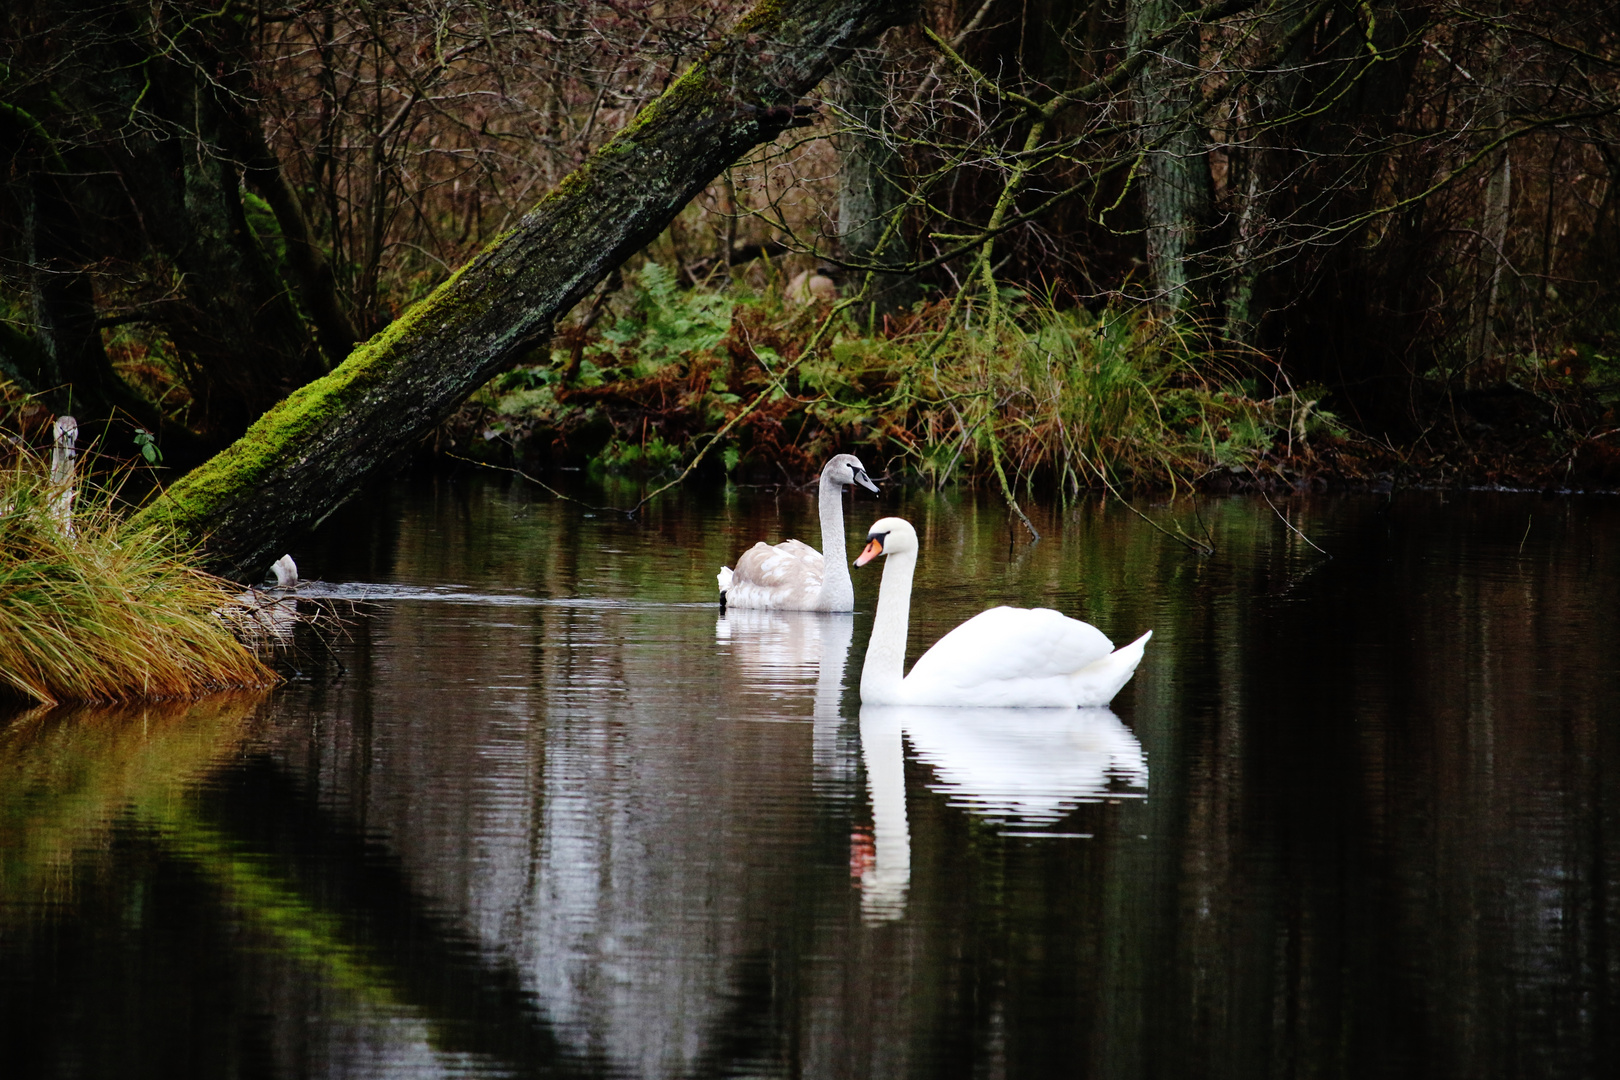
(886, 651)
(828, 769)
(837, 590)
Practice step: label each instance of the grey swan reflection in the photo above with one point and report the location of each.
(630, 894)
(1026, 766)
(778, 651)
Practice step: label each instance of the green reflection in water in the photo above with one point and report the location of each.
(271, 905)
(95, 803)
(67, 775)
(68, 778)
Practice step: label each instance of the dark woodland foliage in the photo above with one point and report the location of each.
(1411, 206)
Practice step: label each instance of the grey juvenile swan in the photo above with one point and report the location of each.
(793, 576)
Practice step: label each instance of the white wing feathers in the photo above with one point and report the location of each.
(1100, 680)
(1011, 645)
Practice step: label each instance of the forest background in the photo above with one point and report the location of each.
(1143, 242)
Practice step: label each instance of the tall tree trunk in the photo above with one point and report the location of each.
(308, 454)
(1242, 268)
(870, 195)
(64, 300)
(242, 341)
(1498, 210)
(1493, 258)
(311, 269)
(69, 364)
(1176, 189)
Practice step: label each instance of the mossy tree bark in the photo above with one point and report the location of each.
(1176, 186)
(306, 456)
(870, 177)
(307, 264)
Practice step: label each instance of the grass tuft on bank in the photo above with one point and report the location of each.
(106, 611)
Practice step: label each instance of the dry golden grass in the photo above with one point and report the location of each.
(108, 613)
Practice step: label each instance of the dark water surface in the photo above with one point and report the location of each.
(546, 813)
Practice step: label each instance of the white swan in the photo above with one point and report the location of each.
(1002, 657)
(793, 576)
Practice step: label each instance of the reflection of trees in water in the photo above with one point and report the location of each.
(210, 922)
(1383, 849)
(1368, 841)
(1371, 845)
(638, 864)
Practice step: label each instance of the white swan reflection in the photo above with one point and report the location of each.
(1029, 766)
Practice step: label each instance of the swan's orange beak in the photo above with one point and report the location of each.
(872, 550)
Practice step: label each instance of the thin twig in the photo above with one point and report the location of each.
(547, 488)
(1180, 536)
(1006, 489)
(1290, 524)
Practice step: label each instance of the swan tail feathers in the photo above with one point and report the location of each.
(1098, 682)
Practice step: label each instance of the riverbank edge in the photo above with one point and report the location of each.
(1548, 461)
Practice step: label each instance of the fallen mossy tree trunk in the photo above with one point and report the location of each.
(304, 457)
